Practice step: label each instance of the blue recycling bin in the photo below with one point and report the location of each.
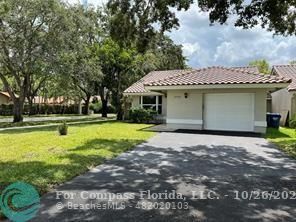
(273, 120)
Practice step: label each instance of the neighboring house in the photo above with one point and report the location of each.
(214, 98)
(60, 100)
(284, 100)
(5, 98)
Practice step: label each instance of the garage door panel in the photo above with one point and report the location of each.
(233, 111)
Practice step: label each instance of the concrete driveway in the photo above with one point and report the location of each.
(219, 178)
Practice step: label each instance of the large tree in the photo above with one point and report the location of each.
(31, 34)
(80, 60)
(136, 45)
(118, 66)
(168, 55)
(37, 82)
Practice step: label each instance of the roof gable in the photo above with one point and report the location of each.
(287, 71)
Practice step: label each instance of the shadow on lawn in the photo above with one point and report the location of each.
(221, 169)
(276, 134)
(73, 162)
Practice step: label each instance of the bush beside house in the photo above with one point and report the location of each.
(140, 115)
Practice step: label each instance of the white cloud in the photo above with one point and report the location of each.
(189, 48)
(206, 45)
(228, 45)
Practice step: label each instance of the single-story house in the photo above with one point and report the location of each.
(213, 98)
(5, 98)
(284, 100)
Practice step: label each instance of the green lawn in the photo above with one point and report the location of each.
(46, 122)
(43, 158)
(284, 138)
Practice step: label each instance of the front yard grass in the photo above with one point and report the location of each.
(43, 158)
(284, 138)
(47, 122)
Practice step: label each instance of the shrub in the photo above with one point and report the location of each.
(140, 115)
(292, 122)
(63, 129)
(110, 109)
(96, 107)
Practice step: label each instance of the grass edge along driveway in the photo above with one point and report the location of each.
(284, 138)
(4, 125)
(44, 159)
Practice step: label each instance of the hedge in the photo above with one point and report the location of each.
(7, 110)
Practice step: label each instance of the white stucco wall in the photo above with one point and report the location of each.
(181, 111)
(184, 110)
(187, 113)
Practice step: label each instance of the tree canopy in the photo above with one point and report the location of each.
(31, 34)
(134, 22)
(276, 16)
(48, 44)
(262, 65)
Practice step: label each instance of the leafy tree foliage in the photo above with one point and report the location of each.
(168, 55)
(118, 66)
(31, 33)
(293, 62)
(134, 21)
(53, 49)
(140, 45)
(262, 65)
(139, 15)
(277, 16)
(80, 61)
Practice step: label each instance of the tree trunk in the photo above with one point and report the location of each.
(104, 100)
(86, 108)
(18, 106)
(30, 101)
(120, 114)
(119, 106)
(104, 108)
(118, 100)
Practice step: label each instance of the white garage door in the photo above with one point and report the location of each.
(229, 111)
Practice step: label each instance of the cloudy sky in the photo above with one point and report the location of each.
(226, 45)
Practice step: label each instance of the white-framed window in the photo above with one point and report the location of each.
(151, 102)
